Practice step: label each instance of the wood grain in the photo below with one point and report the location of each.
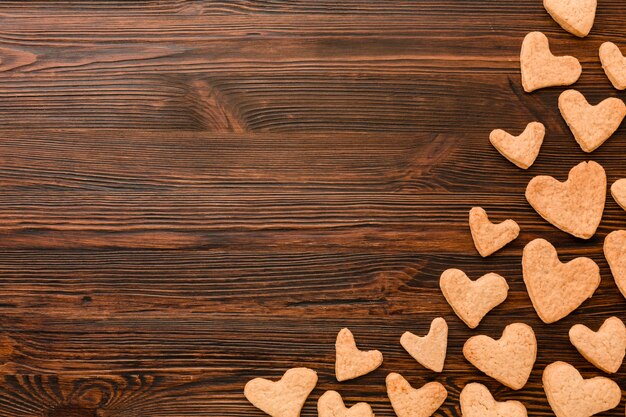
(197, 193)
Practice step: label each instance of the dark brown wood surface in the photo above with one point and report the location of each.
(197, 193)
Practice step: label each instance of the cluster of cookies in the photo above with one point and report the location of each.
(508, 360)
(555, 288)
(286, 397)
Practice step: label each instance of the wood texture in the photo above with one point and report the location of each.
(197, 193)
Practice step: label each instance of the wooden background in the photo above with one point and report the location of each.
(197, 193)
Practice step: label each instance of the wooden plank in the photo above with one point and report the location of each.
(200, 7)
(296, 103)
(67, 8)
(155, 395)
(313, 103)
(79, 286)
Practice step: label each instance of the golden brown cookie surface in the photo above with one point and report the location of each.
(283, 398)
(540, 68)
(574, 206)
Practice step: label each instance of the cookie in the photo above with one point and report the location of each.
(472, 300)
(614, 64)
(414, 402)
(591, 125)
(541, 69)
(570, 395)
(556, 289)
(429, 350)
(522, 150)
(615, 254)
(477, 401)
(618, 191)
(283, 398)
(352, 362)
(489, 237)
(331, 405)
(605, 348)
(510, 359)
(575, 16)
(574, 206)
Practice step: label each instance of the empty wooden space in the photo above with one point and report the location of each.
(197, 193)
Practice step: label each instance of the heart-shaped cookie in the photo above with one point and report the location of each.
(429, 350)
(477, 401)
(614, 64)
(570, 395)
(472, 300)
(575, 16)
(489, 237)
(509, 359)
(414, 402)
(615, 254)
(591, 125)
(618, 191)
(522, 150)
(541, 69)
(352, 362)
(574, 206)
(283, 398)
(604, 348)
(555, 288)
(331, 405)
